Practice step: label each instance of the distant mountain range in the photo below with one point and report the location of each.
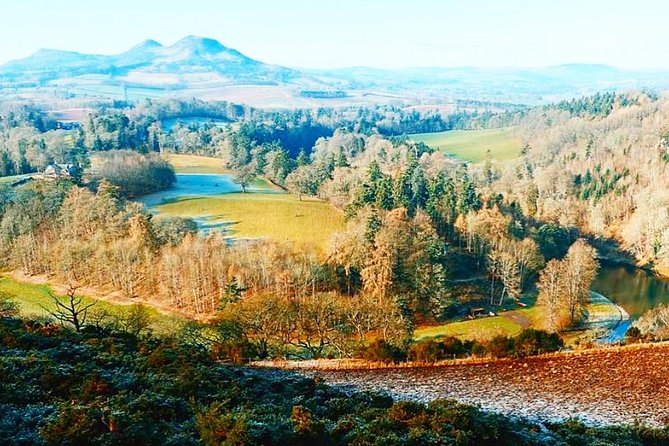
(204, 68)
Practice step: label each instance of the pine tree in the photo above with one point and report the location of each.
(302, 159)
(384, 194)
(342, 161)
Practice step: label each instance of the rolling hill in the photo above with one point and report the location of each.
(204, 68)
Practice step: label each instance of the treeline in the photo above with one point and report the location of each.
(529, 342)
(599, 105)
(30, 140)
(122, 388)
(134, 173)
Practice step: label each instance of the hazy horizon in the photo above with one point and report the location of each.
(330, 35)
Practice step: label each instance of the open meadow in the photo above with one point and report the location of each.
(281, 217)
(186, 163)
(472, 145)
(198, 164)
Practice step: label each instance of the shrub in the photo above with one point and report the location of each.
(236, 351)
(633, 335)
(8, 308)
(382, 351)
(500, 347)
(535, 342)
(455, 348)
(426, 351)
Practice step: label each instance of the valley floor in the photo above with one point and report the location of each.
(601, 386)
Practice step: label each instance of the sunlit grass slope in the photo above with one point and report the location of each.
(253, 215)
(472, 145)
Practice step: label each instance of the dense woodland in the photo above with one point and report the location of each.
(31, 139)
(419, 223)
(597, 169)
(415, 217)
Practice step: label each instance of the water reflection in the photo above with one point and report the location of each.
(633, 289)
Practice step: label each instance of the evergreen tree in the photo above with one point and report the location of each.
(468, 198)
(342, 161)
(402, 193)
(302, 159)
(384, 194)
(419, 189)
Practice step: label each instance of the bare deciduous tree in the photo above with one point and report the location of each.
(71, 309)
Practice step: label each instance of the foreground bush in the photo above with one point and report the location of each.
(382, 351)
(103, 388)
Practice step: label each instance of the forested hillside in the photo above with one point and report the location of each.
(599, 166)
(429, 241)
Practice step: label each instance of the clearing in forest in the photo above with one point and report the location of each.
(281, 217)
(185, 163)
(207, 165)
(472, 145)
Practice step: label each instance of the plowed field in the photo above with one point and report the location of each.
(604, 386)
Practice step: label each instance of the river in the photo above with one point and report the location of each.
(634, 289)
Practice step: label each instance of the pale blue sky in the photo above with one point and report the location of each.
(337, 33)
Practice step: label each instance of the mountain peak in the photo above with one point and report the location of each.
(200, 44)
(148, 44)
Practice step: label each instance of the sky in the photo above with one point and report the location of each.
(343, 33)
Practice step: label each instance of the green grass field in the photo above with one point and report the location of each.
(472, 145)
(184, 163)
(255, 215)
(479, 329)
(12, 178)
(34, 298)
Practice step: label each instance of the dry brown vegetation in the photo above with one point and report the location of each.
(601, 386)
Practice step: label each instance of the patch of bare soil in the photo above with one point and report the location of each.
(518, 318)
(601, 386)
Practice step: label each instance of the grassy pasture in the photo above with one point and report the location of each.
(472, 145)
(34, 298)
(10, 179)
(255, 215)
(185, 163)
(479, 329)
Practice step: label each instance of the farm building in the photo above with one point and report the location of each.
(55, 171)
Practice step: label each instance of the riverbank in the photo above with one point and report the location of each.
(604, 320)
(609, 252)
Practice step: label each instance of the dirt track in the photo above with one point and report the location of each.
(601, 387)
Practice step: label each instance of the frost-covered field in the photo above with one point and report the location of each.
(605, 386)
